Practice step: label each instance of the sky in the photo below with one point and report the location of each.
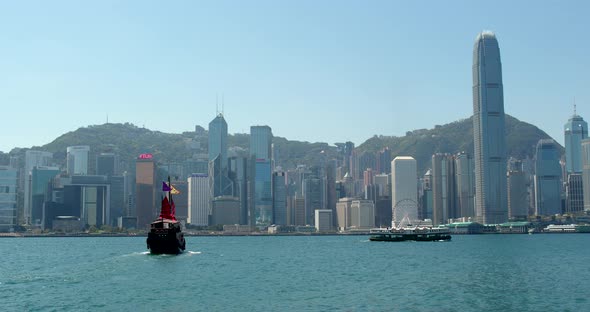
(318, 71)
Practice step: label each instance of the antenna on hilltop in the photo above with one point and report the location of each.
(107, 119)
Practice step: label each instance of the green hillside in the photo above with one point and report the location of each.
(129, 141)
(521, 139)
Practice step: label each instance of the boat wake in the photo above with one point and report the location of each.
(193, 252)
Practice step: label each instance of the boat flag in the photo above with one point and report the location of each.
(165, 187)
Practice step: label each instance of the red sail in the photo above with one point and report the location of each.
(165, 213)
(173, 208)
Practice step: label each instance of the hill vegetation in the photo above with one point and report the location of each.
(128, 141)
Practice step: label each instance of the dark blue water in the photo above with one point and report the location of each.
(319, 273)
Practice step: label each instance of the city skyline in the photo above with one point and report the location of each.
(132, 63)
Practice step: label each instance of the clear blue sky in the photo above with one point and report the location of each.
(327, 71)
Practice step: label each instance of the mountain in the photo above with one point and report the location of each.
(129, 141)
(521, 140)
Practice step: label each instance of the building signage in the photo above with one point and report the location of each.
(145, 156)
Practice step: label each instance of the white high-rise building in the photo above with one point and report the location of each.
(77, 159)
(199, 201)
(404, 188)
(489, 139)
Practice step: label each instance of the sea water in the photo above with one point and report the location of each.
(548, 272)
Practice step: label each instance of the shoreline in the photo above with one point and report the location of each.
(49, 235)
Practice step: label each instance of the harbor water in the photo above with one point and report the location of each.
(548, 272)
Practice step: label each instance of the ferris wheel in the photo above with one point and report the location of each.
(404, 212)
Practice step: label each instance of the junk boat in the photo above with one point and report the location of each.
(165, 236)
(405, 231)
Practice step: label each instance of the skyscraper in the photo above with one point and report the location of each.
(279, 198)
(145, 190)
(32, 159)
(77, 159)
(586, 173)
(198, 199)
(8, 194)
(443, 188)
(218, 139)
(107, 164)
(488, 131)
(404, 188)
(261, 192)
(464, 180)
(547, 179)
(575, 130)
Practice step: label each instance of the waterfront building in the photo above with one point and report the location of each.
(88, 197)
(146, 186)
(426, 201)
(8, 198)
(279, 198)
(404, 188)
(586, 173)
(238, 174)
(383, 212)
(547, 179)
(32, 159)
(465, 185)
(117, 198)
(489, 139)
(574, 193)
(518, 202)
(107, 164)
(261, 193)
(198, 199)
(575, 130)
(362, 214)
(343, 216)
(312, 192)
(443, 188)
(298, 210)
(225, 210)
(77, 159)
(323, 220)
(40, 178)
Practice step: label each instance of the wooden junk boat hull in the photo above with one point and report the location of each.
(166, 237)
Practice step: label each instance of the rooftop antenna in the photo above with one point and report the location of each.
(216, 104)
(222, 104)
(574, 105)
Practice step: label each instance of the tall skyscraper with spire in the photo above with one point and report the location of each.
(218, 139)
(575, 130)
(488, 131)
